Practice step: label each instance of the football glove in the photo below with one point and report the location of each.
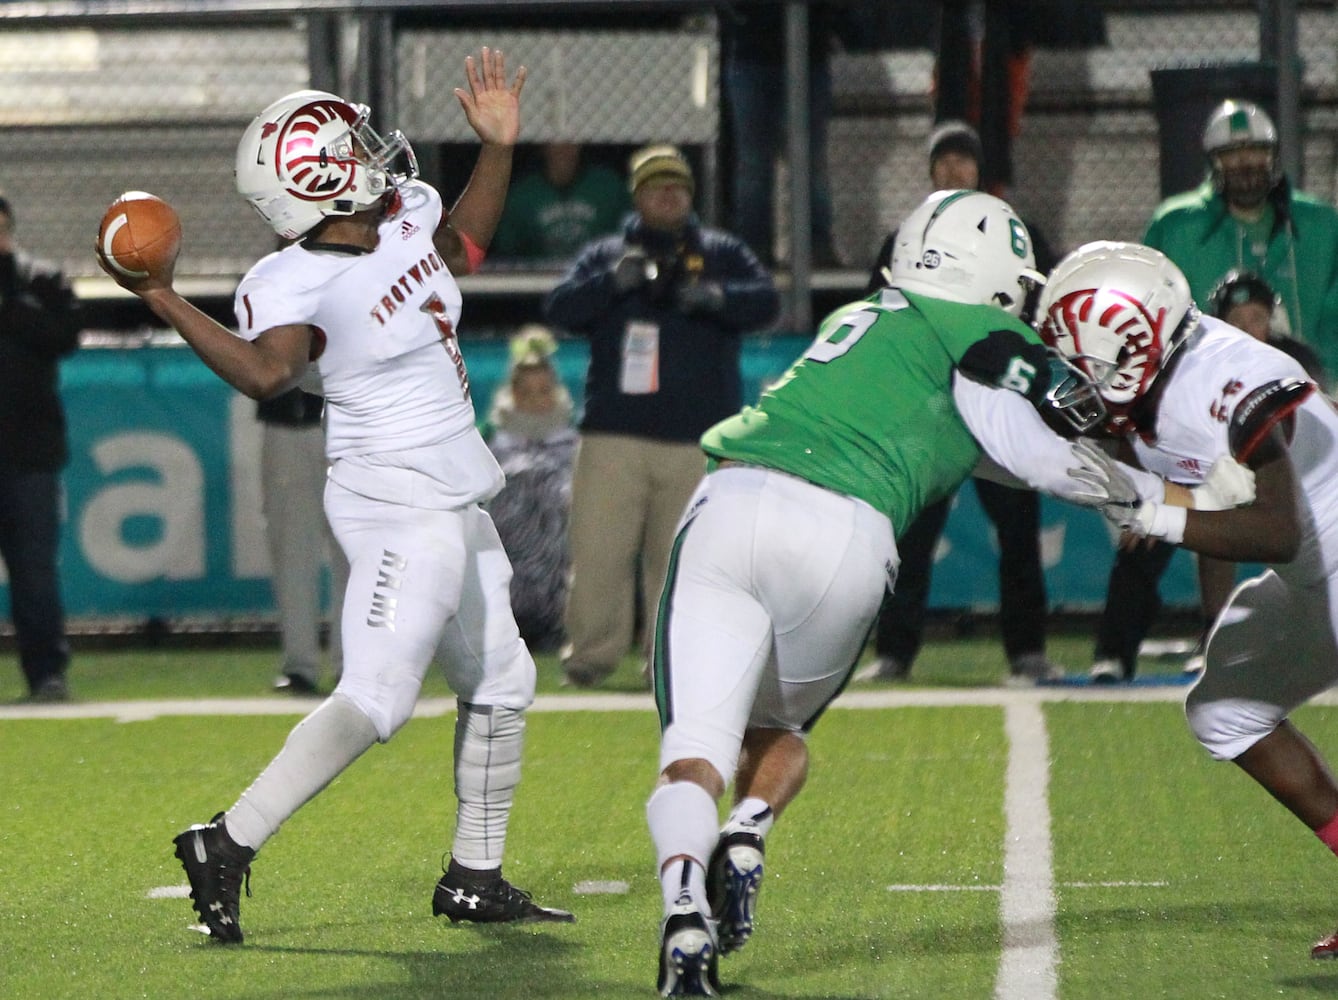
(1104, 480)
(1122, 505)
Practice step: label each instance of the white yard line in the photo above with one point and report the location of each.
(974, 887)
(1028, 965)
(138, 711)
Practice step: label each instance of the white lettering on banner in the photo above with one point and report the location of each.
(176, 499)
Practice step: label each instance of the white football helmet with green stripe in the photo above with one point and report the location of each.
(965, 246)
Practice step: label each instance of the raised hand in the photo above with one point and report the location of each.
(491, 106)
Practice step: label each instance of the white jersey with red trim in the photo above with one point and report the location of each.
(400, 425)
(1218, 370)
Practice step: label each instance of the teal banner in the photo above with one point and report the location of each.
(163, 501)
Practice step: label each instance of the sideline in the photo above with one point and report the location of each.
(274, 704)
(140, 711)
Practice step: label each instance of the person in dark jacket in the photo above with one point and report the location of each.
(664, 305)
(39, 324)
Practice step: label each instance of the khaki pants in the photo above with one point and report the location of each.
(293, 466)
(628, 494)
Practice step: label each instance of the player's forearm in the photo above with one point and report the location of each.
(238, 362)
(479, 207)
(1246, 534)
(1014, 436)
(1235, 513)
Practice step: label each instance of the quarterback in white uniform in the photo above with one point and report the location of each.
(363, 299)
(1186, 390)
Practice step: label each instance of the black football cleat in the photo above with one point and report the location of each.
(216, 866)
(484, 897)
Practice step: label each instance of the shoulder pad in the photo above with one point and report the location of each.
(1008, 360)
(1261, 410)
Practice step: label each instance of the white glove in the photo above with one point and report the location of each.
(1104, 480)
(1228, 484)
(1120, 502)
(1147, 519)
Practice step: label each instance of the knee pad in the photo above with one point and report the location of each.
(387, 699)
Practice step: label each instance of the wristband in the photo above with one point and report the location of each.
(1168, 523)
(474, 253)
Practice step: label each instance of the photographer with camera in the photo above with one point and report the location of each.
(664, 305)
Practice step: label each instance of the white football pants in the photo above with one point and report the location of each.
(772, 589)
(425, 584)
(1272, 649)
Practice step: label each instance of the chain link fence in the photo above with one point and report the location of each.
(1086, 158)
(88, 110)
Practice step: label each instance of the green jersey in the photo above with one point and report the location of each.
(541, 222)
(868, 410)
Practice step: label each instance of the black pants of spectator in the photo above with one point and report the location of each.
(29, 541)
(1016, 515)
(1132, 603)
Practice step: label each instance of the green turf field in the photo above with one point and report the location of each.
(1162, 874)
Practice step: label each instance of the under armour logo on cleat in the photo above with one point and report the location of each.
(458, 896)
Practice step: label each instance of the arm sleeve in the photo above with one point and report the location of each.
(1018, 444)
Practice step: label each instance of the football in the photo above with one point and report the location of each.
(140, 235)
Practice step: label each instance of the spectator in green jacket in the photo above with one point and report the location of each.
(1247, 216)
(554, 211)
